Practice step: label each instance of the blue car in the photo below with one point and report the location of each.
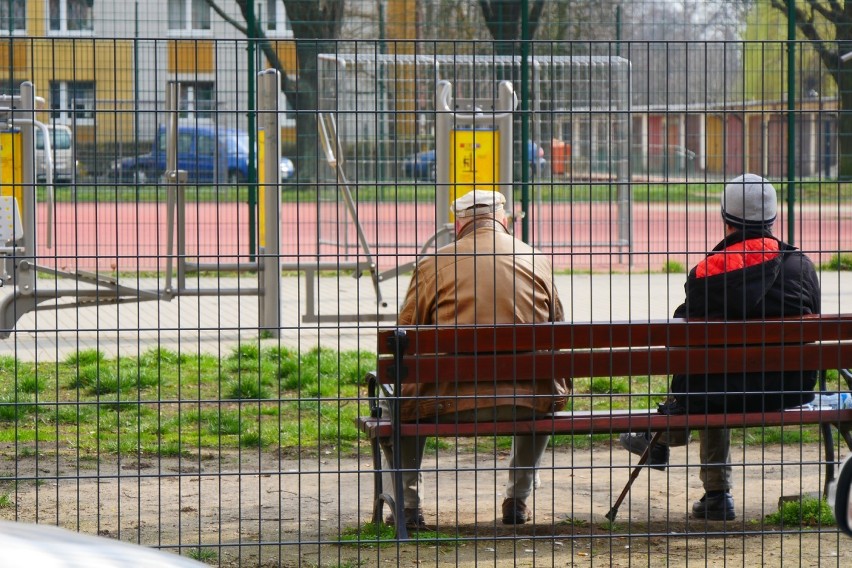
(207, 154)
(286, 169)
(421, 166)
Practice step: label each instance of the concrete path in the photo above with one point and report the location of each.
(215, 324)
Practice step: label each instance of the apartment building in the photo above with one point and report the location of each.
(102, 67)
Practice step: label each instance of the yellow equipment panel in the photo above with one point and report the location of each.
(261, 191)
(11, 166)
(474, 162)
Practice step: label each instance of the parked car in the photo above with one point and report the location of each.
(42, 545)
(62, 146)
(422, 164)
(207, 154)
(286, 170)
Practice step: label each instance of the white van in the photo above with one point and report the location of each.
(62, 143)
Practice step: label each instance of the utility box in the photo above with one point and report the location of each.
(560, 157)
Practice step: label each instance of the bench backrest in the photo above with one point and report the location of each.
(611, 349)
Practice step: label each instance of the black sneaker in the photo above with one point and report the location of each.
(715, 508)
(636, 444)
(414, 520)
(671, 407)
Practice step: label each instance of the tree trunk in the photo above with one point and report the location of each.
(844, 129)
(843, 78)
(306, 121)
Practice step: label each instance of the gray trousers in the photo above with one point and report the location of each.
(526, 455)
(715, 454)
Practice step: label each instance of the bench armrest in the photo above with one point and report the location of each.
(375, 392)
(846, 374)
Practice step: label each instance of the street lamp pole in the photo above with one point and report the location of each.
(791, 122)
(252, 171)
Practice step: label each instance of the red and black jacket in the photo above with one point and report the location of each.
(749, 275)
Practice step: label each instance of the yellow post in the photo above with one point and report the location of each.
(11, 166)
(261, 192)
(474, 162)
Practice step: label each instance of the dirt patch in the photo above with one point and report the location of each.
(252, 508)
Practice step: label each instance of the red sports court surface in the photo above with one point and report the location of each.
(129, 236)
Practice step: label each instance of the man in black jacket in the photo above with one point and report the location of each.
(749, 275)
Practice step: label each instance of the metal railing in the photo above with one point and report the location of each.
(222, 427)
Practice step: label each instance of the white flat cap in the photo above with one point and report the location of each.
(478, 202)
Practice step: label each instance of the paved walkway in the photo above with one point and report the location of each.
(215, 324)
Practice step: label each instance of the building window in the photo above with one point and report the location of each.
(18, 22)
(189, 15)
(197, 100)
(10, 88)
(274, 20)
(70, 15)
(72, 102)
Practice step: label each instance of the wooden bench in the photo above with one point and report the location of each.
(614, 349)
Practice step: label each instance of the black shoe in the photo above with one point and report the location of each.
(515, 512)
(414, 520)
(636, 444)
(671, 407)
(715, 508)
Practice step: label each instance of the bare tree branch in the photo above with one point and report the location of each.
(216, 8)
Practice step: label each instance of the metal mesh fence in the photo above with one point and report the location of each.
(145, 398)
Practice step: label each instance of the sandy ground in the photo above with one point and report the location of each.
(262, 509)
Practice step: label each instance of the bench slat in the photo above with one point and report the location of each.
(570, 335)
(501, 367)
(582, 423)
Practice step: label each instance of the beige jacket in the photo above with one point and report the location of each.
(488, 277)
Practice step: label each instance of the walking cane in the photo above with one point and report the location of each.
(633, 475)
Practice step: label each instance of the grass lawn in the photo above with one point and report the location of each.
(828, 193)
(164, 403)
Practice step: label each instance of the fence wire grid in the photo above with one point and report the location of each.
(145, 397)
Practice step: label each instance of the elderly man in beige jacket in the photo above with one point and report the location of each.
(485, 277)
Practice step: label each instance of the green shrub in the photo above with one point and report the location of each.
(8, 365)
(354, 365)
(839, 262)
(206, 555)
(245, 388)
(30, 383)
(160, 356)
(673, 267)
(382, 535)
(85, 376)
(222, 422)
(245, 352)
(807, 512)
(85, 357)
(605, 385)
(12, 410)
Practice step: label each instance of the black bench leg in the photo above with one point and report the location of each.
(377, 482)
(397, 503)
(847, 436)
(828, 441)
(380, 497)
(828, 444)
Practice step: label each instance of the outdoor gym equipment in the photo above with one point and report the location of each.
(18, 221)
(333, 151)
(473, 151)
(473, 148)
(18, 231)
(268, 267)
